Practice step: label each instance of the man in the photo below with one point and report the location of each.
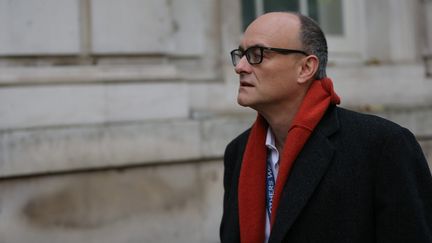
(307, 170)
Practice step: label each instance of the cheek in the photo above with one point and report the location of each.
(280, 69)
(282, 77)
(277, 77)
(283, 86)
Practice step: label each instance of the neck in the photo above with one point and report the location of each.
(279, 117)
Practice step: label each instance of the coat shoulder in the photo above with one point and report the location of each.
(238, 142)
(368, 124)
(365, 135)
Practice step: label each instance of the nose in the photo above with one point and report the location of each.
(243, 66)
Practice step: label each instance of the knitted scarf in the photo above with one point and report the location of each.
(252, 181)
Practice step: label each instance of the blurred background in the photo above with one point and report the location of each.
(114, 115)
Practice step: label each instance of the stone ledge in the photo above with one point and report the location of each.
(86, 74)
(61, 149)
(50, 150)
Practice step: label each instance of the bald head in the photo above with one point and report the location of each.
(281, 28)
(293, 30)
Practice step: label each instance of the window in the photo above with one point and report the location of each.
(326, 12)
(339, 20)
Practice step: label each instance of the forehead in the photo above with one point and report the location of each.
(275, 30)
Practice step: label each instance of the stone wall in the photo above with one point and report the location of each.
(162, 203)
(114, 116)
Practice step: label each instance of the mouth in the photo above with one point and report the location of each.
(245, 84)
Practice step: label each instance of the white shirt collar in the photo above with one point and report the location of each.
(270, 140)
(274, 153)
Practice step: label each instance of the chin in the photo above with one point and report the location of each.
(241, 103)
(244, 102)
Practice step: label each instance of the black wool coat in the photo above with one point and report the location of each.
(359, 178)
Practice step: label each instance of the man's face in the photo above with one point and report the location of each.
(273, 82)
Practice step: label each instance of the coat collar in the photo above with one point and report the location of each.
(308, 169)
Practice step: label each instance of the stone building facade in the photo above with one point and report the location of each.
(114, 115)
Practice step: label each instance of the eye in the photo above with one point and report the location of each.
(255, 55)
(255, 51)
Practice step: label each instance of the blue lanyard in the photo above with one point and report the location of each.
(270, 186)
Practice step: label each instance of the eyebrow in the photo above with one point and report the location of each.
(255, 45)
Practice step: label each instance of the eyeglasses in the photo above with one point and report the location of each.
(254, 54)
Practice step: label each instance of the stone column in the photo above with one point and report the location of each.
(426, 25)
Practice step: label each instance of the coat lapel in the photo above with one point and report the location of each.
(309, 168)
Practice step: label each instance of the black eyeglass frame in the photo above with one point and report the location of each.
(261, 48)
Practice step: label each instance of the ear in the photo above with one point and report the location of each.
(309, 66)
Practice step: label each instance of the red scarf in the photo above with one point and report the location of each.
(251, 191)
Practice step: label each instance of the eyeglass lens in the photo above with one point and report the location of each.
(253, 55)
